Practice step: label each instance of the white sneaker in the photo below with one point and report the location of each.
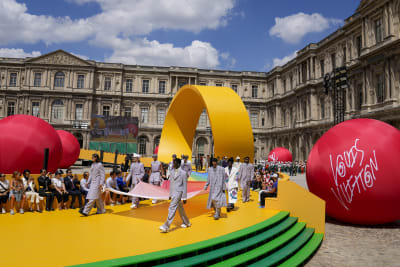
(112, 204)
(183, 225)
(21, 211)
(118, 203)
(133, 206)
(154, 201)
(3, 210)
(12, 212)
(163, 229)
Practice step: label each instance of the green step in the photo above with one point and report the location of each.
(286, 251)
(177, 253)
(236, 248)
(264, 249)
(305, 252)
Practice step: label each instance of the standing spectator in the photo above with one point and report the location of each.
(246, 174)
(4, 192)
(83, 187)
(45, 187)
(17, 193)
(30, 191)
(96, 182)
(59, 190)
(72, 189)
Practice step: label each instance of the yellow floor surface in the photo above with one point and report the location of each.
(62, 238)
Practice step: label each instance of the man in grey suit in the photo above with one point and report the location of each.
(95, 182)
(246, 174)
(216, 181)
(177, 191)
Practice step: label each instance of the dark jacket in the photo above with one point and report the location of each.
(44, 184)
(70, 185)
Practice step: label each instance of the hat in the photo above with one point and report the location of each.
(155, 156)
(237, 157)
(58, 172)
(136, 155)
(174, 155)
(275, 175)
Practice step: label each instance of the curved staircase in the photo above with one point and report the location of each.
(280, 240)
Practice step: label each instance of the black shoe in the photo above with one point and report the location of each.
(72, 207)
(84, 214)
(52, 209)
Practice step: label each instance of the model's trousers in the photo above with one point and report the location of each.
(245, 192)
(176, 204)
(99, 204)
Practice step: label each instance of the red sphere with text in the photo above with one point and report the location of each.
(23, 139)
(353, 167)
(71, 149)
(280, 154)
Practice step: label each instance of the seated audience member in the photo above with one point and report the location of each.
(122, 186)
(111, 183)
(146, 175)
(45, 187)
(272, 192)
(59, 190)
(17, 193)
(256, 183)
(84, 187)
(72, 189)
(4, 192)
(31, 191)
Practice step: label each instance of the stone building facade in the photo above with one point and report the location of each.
(287, 106)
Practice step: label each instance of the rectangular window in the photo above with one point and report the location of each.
(284, 85)
(322, 108)
(262, 122)
(161, 87)
(13, 79)
(35, 109)
(333, 61)
(78, 112)
(142, 145)
(11, 108)
(234, 87)
(145, 86)
(203, 118)
(380, 88)
(344, 56)
(37, 81)
(218, 84)
(160, 116)
(254, 91)
(107, 84)
(322, 67)
(128, 112)
(129, 85)
(378, 31)
(144, 115)
(254, 119)
(291, 82)
(304, 72)
(106, 111)
(81, 81)
(359, 45)
(284, 118)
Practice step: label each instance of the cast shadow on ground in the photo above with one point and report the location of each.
(392, 225)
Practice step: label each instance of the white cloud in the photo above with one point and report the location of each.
(17, 53)
(293, 28)
(80, 56)
(145, 52)
(282, 61)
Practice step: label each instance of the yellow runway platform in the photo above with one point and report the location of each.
(62, 238)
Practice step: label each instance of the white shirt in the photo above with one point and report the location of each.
(83, 185)
(6, 185)
(111, 183)
(56, 182)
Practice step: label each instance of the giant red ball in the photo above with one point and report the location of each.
(71, 149)
(23, 139)
(353, 167)
(280, 154)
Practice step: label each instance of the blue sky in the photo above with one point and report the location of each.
(239, 35)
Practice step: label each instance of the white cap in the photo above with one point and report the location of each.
(237, 157)
(136, 155)
(275, 175)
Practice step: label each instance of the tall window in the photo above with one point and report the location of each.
(344, 54)
(322, 67)
(359, 45)
(145, 86)
(284, 85)
(203, 118)
(81, 81)
(333, 61)
(161, 87)
(322, 108)
(11, 108)
(380, 88)
(378, 31)
(160, 116)
(128, 112)
(304, 111)
(144, 115)
(37, 81)
(304, 72)
(262, 122)
(59, 79)
(13, 79)
(57, 110)
(234, 87)
(107, 83)
(106, 111)
(156, 141)
(254, 119)
(129, 85)
(78, 112)
(142, 145)
(284, 118)
(254, 91)
(35, 109)
(218, 84)
(291, 82)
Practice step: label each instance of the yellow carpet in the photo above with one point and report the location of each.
(62, 238)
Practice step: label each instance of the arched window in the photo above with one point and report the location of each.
(57, 109)
(156, 141)
(142, 145)
(200, 145)
(59, 79)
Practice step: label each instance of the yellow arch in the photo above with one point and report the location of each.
(230, 123)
